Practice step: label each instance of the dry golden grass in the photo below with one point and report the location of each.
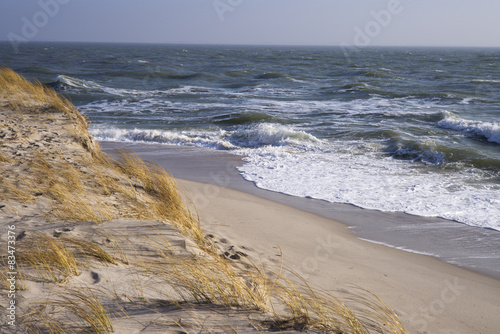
(55, 259)
(115, 243)
(37, 321)
(48, 257)
(16, 192)
(306, 307)
(3, 158)
(88, 250)
(76, 310)
(85, 304)
(23, 95)
(5, 269)
(167, 202)
(212, 279)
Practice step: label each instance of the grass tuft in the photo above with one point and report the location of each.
(85, 305)
(3, 158)
(166, 201)
(48, 257)
(210, 280)
(37, 321)
(89, 250)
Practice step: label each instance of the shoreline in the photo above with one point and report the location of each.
(428, 294)
(473, 248)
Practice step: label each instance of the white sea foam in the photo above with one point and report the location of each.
(188, 138)
(266, 134)
(373, 105)
(382, 184)
(250, 137)
(93, 86)
(489, 130)
(486, 81)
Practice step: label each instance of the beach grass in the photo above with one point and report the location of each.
(76, 310)
(48, 257)
(85, 305)
(89, 186)
(23, 95)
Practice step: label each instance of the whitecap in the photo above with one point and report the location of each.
(489, 130)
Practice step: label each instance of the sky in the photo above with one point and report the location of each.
(356, 23)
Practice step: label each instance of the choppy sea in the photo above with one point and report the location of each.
(411, 130)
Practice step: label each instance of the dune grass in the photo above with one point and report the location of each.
(291, 304)
(167, 202)
(48, 257)
(85, 305)
(54, 259)
(76, 310)
(96, 188)
(3, 158)
(23, 95)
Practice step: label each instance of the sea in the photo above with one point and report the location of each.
(413, 130)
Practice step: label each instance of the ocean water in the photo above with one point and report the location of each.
(393, 129)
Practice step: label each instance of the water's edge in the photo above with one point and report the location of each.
(474, 248)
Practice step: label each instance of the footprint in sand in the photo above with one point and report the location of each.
(59, 231)
(95, 276)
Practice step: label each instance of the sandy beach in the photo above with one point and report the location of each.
(429, 295)
(110, 245)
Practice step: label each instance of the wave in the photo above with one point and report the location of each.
(241, 118)
(185, 138)
(185, 76)
(356, 86)
(376, 74)
(488, 130)
(271, 75)
(236, 74)
(366, 89)
(268, 134)
(253, 136)
(187, 90)
(64, 82)
(407, 149)
(485, 81)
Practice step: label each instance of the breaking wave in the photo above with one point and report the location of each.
(489, 130)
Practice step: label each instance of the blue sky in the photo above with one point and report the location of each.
(279, 22)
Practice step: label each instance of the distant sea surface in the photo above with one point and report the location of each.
(393, 129)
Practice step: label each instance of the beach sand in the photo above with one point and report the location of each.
(430, 296)
(63, 200)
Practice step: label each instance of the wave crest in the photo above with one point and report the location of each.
(64, 82)
(267, 134)
(255, 136)
(490, 131)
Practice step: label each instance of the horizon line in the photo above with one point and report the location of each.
(346, 46)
